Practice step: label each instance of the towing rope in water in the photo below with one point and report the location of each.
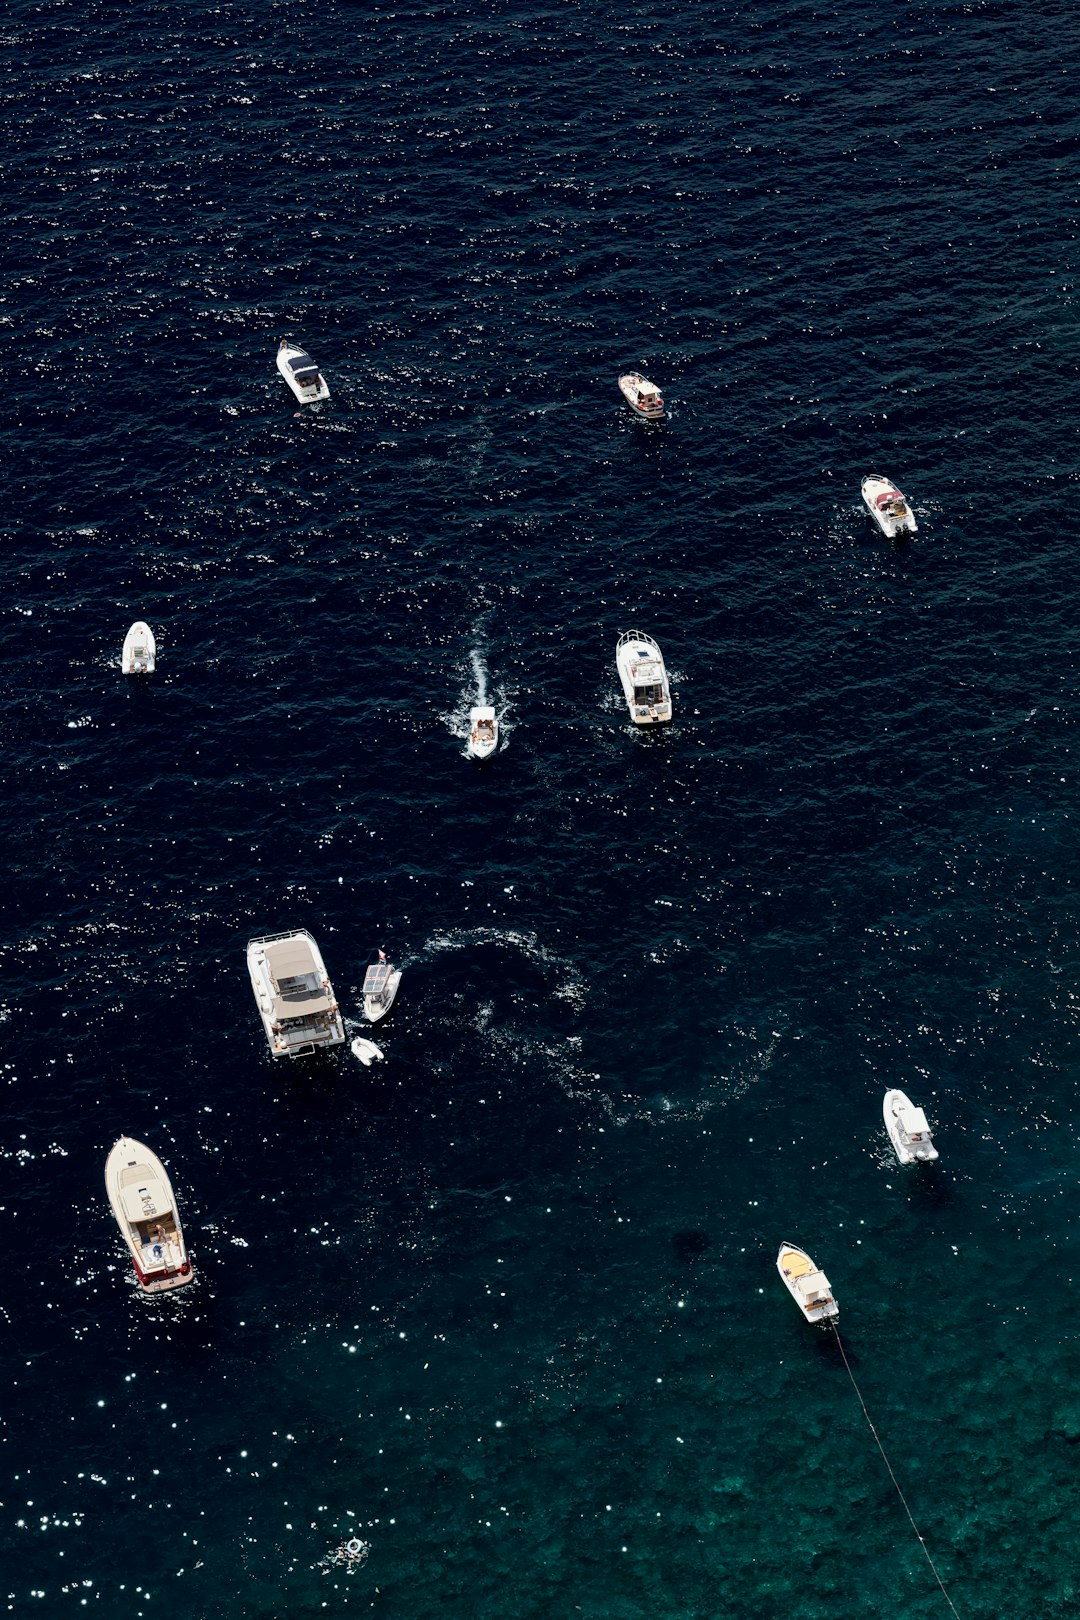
(892, 1476)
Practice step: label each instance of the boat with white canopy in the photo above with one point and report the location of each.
(887, 507)
(909, 1130)
(642, 396)
(301, 373)
(644, 679)
(295, 998)
(144, 1204)
(139, 655)
(808, 1287)
(380, 987)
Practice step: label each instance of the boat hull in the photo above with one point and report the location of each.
(888, 508)
(144, 1206)
(908, 1151)
(139, 654)
(642, 396)
(644, 679)
(483, 732)
(808, 1286)
(308, 393)
(376, 1008)
(317, 1025)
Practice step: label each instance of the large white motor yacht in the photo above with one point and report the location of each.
(909, 1130)
(483, 731)
(644, 679)
(301, 373)
(139, 655)
(642, 396)
(887, 507)
(380, 987)
(145, 1208)
(808, 1287)
(294, 995)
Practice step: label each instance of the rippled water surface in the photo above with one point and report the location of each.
(505, 1308)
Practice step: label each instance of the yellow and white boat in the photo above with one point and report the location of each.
(808, 1287)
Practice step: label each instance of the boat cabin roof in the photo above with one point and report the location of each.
(376, 978)
(145, 1199)
(298, 983)
(301, 363)
(813, 1285)
(913, 1122)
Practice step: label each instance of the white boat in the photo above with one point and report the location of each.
(644, 679)
(301, 373)
(143, 1202)
(483, 731)
(808, 1287)
(366, 1051)
(139, 656)
(909, 1130)
(642, 396)
(887, 507)
(380, 987)
(294, 996)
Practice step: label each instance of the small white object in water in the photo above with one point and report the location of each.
(366, 1051)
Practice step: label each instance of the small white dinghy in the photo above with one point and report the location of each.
(887, 507)
(380, 987)
(483, 731)
(301, 373)
(808, 1287)
(645, 684)
(366, 1051)
(139, 656)
(142, 1200)
(642, 396)
(909, 1130)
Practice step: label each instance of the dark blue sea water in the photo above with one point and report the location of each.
(506, 1306)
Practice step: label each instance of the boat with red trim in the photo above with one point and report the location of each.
(887, 507)
(144, 1204)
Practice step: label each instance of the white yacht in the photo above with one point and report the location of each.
(483, 731)
(909, 1130)
(887, 507)
(644, 679)
(642, 396)
(301, 373)
(294, 995)
(139, 656)
(145, 1208)
(380, 987)
(808, 1287)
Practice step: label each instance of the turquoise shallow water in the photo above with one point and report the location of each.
(506, 1306)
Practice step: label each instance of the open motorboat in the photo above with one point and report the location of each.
(642, 396)
(644, 679)
(145, 1208)
(808, 1287)
(909, 1130)
(887, 506)
(483, 731)
(301, 373)
(139, 656)
(294, 995)
(366, 1051)
(380, 987)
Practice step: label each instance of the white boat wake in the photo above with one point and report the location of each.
(478, 693)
